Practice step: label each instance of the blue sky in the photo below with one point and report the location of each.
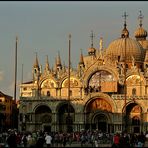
(43, 27)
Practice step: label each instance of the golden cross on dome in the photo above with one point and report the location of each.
(125, 16)
(92, 36)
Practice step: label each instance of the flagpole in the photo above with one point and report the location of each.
(15, 64)
(69, 82)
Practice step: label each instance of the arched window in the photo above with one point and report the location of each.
(134, 91)
(48, 93)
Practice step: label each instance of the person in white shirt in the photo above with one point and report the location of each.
(48, 140)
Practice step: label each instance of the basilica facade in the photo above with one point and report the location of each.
(108, 89)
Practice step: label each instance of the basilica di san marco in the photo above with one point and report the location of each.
(107, 91)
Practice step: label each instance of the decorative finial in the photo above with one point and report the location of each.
(124, 16)
(140, 17)
(36, 54)
(16, 38)
(69, 36)
(81, 58)
(92, 36)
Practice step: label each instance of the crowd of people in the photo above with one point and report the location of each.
(125, 140)
(40, 139)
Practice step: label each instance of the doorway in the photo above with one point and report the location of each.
(100, 121)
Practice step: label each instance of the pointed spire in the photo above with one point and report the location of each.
(55, 65)
(81, 58)
(125, 32)
(64, 67)
(58, 60)
(140, 17)
(47, 68)
(36, 64)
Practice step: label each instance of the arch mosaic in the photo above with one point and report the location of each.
(73, 82)
(48, 83)
(98, 104)
(134, 80)
(106, 100)
(94, 70)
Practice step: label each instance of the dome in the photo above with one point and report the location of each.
(140, 33)
(91, 50)
(116, 50)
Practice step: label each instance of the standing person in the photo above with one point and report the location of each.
(64, 140)
(141, 139)
(116, 139)
(146, 139)
(11, 140)
(24, 140)
(48, 140)
(40, 141)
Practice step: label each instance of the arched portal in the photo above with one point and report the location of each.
(43, 118)
(100, 122)
(66, 117)
(134, 117)
(98, 115)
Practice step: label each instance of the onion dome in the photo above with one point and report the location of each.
(91, 51)
(116, 50)
(140, 33)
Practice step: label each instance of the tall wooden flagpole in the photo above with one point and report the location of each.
(15, 64)
(69, 83)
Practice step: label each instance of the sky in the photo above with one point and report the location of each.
(44, 26)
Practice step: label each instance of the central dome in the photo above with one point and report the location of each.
(116, 50)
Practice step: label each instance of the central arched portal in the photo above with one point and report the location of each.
(98, 115)
(101, 122)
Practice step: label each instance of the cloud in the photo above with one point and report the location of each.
(1, 75)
